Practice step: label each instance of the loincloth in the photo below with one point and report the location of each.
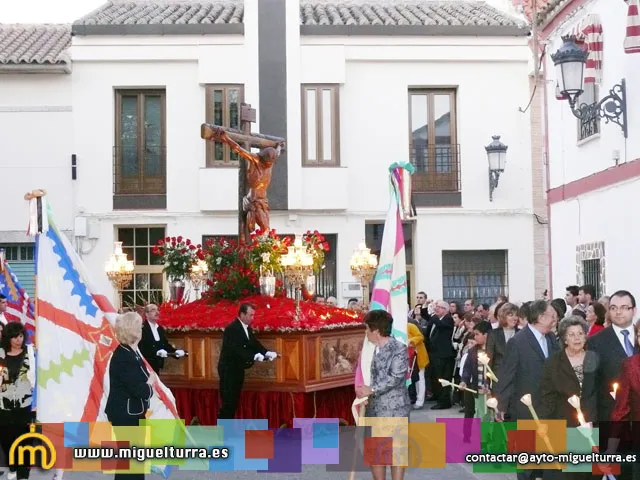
(258, 204)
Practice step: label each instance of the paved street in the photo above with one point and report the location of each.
(317, 472)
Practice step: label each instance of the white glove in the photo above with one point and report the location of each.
(259, 357)
(162, 353)
(179, 353)
(271, 355)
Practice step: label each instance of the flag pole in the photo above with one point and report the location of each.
(38, 223)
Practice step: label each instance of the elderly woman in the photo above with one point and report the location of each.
(131, 383)
(498, 338)
(17, 381)
(567, 372)
(596, 314)
(388, 396)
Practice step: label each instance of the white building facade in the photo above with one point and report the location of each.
(35, 140)
(594, 171)
(350, 94)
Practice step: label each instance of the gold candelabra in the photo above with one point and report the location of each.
(363, 266)
(297, 265)
(119, 270)
(197, 275)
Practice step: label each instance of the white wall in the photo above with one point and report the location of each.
(375, 75)
(35, 147)
(570, 160)
(605, 216)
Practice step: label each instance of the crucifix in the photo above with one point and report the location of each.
(255, 168)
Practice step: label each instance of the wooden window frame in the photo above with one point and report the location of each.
(160, 186)
(334, 161)
(226, 161)
(432, 165)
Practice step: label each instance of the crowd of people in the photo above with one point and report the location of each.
(548, 351)
(497, 355)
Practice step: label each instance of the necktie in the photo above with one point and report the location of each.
(545, 347)
(628, 346)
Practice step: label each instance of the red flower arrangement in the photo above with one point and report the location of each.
(178, 255)
(272, 315)
(230, 275)
(317, 245)
(234, 273)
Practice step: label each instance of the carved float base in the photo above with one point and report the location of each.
(280, 408)
(310, 361)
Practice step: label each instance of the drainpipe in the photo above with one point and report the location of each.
(547, 178)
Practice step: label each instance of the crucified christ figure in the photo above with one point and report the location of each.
(259, 168)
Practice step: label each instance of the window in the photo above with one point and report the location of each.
(432, 136)
(477, 274)
(373, 238)
(223, 109)
(588, 128)
(148, 280)
(320, 125)
(21, 257)
(19, 252)
(326, 281)
(591, 274)
(140, 152)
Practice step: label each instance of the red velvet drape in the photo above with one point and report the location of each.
(280, 408)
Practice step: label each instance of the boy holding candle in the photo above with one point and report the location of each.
(474, 376)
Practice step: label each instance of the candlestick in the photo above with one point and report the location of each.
(492, 403)
(526, 399)
(615, 389)
(484, 359)
(447, 383)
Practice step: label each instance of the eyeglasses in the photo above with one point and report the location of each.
(622, 308)
(575, 335)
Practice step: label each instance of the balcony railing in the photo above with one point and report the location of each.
(437, 168)
(138, 171)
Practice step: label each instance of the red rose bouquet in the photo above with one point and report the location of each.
(178, 255)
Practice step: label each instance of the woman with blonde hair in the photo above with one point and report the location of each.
(131, 383)
(498, 338)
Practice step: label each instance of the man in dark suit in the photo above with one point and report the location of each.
(442, 356)
(522, 366)
(524, 358)
(240, 349)
(154, 344)
(614, 344)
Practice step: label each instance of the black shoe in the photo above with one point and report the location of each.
(461, 410)
(440, 407)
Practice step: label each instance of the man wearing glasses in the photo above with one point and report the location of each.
(614, 344)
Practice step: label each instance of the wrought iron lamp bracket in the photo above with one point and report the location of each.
(494, 177)
(613, 108)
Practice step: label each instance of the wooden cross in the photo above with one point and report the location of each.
(249, 140)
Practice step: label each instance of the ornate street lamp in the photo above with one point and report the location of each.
(119, 270)
(197, 275)
(497, 156)
(297, 265)
(570, 60)
(363, 266)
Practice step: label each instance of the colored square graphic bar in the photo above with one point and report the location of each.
(320, 440)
